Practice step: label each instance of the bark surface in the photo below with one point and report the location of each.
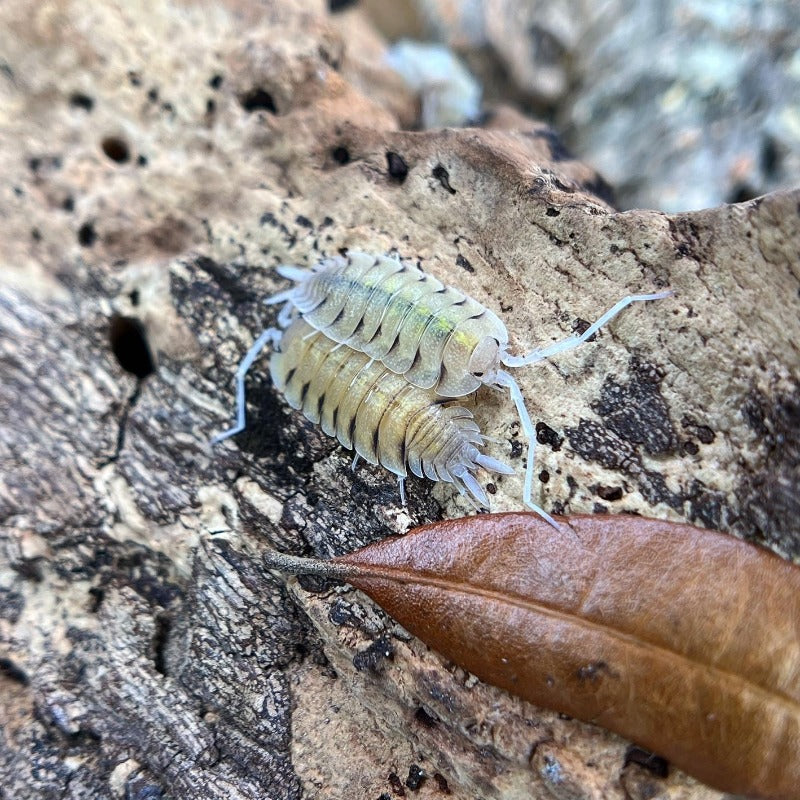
(158, 161)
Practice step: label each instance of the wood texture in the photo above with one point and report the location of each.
(147, 178)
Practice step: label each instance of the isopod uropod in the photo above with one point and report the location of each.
(435, 336)
(377, 412)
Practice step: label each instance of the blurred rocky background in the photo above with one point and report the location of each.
(680, 105)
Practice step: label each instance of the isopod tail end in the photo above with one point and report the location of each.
(465, 480)
(493, 465)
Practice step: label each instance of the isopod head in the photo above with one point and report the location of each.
(485, 360)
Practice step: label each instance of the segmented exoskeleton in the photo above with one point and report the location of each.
(378, 413)
(434, 336)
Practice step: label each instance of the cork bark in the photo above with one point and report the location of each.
(159, 160)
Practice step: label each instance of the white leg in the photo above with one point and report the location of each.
(401, 482)
(355, 462)
(504, 379)
(573, 341)
(286, 315)
(272, 335)
(281, 297)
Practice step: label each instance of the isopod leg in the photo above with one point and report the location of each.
(272, 335)
(401, 482)
(286, 315)
(573, 341)
(504, 379)
(355, 462)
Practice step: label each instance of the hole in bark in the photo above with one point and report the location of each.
(97, 595)
(650, 761)
(424, 718)
(129, 345)
(340, 5)
(116, 148)
(163, 627)
(398, 169)
(341, 155)
(546, 435)
(87, 235)
(81, 100)
(8, 669)
(443, 176)
(258, 100)
(610, 493)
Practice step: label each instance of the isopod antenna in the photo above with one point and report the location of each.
(573, 341)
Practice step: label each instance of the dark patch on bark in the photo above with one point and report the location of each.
(228, 278)
(636, 411)
(706, 506)
(770, 498)
(372, 658)
(686, 237)
(634, 416)
(12, 604)
(443, 176)
(396, 784)
(594, 442)
(698, 430)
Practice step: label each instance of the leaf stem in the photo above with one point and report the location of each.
(295, 565)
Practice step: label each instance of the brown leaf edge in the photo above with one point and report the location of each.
(682, 640)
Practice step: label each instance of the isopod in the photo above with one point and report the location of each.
(378, 413)
(435, 336)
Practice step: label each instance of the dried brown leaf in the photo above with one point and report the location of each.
(683, 640)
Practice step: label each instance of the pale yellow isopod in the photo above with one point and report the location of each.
(376, 412)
